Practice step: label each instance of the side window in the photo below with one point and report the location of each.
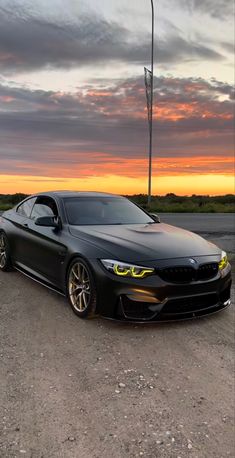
(26, 208)
(44, 206)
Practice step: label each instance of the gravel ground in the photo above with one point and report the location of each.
(90, 389)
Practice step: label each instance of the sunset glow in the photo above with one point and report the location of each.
(73, 104)
(181, 185)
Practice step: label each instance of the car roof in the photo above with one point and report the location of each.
(63, 194)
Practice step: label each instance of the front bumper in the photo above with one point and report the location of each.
(153, 299)
(178, 308)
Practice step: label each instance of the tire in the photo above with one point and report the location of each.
(5, 258)
(81, 289)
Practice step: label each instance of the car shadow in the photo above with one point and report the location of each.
(108, 323)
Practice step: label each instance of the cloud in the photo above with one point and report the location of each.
(29, 42)
(105, 128)
(219, 9)
(230, 47)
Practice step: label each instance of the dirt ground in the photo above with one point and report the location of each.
(99, 389)
(71, 388)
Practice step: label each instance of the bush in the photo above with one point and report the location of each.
(184, 204)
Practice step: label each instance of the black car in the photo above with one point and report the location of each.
(110, 257)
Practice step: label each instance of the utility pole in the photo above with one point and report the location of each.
(149, 74)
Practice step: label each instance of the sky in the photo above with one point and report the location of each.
(72, 96)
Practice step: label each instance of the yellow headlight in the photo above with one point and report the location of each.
(123, 269)
(140, 273)
(224, 261)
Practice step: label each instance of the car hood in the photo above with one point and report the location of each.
(145, 242)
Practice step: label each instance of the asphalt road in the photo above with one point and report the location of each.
(60, 377)
(219, 228)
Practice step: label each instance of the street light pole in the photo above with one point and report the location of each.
(151, 112)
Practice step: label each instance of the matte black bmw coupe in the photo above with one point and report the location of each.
(110, 257)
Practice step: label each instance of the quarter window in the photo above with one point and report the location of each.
(26, 207)
(44, 206)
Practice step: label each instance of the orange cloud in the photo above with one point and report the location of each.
(6, 98)
(178, 111)
(103, 165)
(99, 133)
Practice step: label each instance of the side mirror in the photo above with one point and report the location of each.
(48, 221)
(155, 217)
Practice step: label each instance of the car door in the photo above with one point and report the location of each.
(45, 249)
(19, 218)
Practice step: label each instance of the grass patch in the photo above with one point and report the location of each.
(4, 207)
(170, 203)
(184, 204)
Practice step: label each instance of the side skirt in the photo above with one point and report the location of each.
(41, 282)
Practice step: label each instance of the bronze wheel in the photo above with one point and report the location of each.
(81, 288)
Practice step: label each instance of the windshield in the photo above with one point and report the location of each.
(103, 210)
